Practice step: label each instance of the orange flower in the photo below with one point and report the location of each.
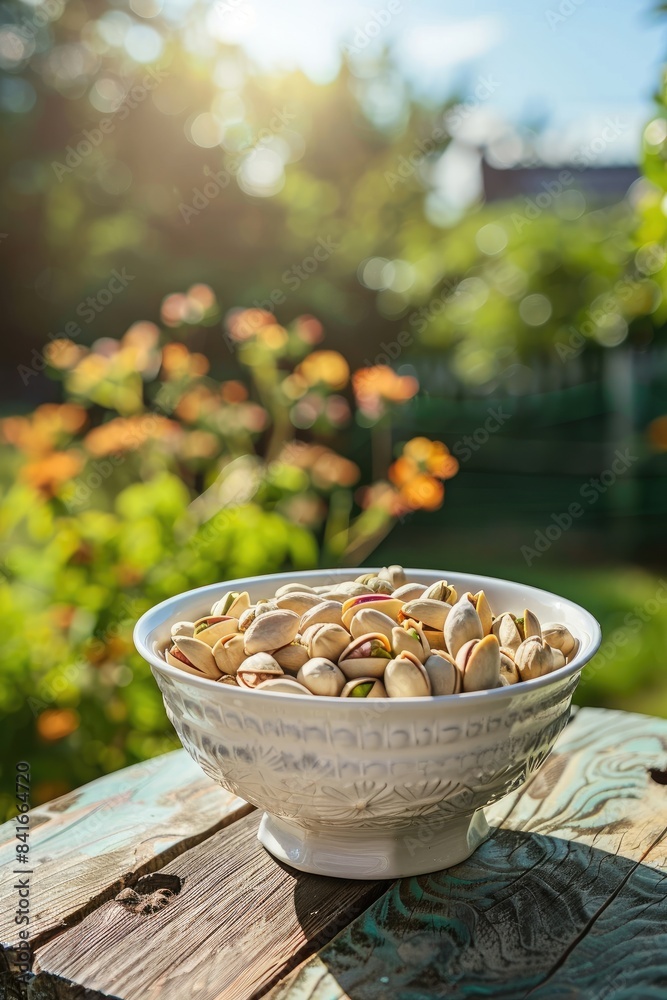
(233, 391)
(128, 434)
(657, 433)
(309, 329)
(178, 362)
(326, 467)
(327, 367)
(48, 473)
(418, 472)
(423, 493)
(376, 386)
(244, 323)
(63, 353)
(50, 424)
(56, 723)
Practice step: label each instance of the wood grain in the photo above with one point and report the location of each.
(568, 899)
(85, 846)
(239, 922)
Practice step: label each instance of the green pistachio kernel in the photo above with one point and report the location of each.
(362, 690)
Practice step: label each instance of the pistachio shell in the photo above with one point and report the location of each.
(295, 588)
(257, 668)
(410, 637)
(409, 592)
(282, 685)
(483, 609)
(271, 631)
(377, 602)
(533, 658)
(395, 575)
(292, 656)
(369, 620)
(462, 624)
(183, 628)
(506, 631)
(479, 659)
(531, 625)
(326, 640)
(431, 613)
(198, 654)
(229, 653)
(328, 612)
(559, 636)
(508, 668)
(379, 586)
(364, 687)
(353, 588)
(444, 675)
(227, 679)
(365, 665)
(441, 591)
(182, 664)
(249, 615)
(405, 677)
(298, 602)
(232, 603)
(219, 626)
(322, 677)
(557, 658)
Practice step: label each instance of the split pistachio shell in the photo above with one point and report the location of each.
(227, 679)
(326, 640)
(506, 631)
(462, 624)
(483, 609)
(444, 675)
(394, 575)
(376, 602)
(326, 612)
(508, 668)
(366, 656)
(479, 659)
(198, 654)
(271, 631)
(409, 636)
(441, 591)
(364, 687)
(533, 658)
(409, 592)
(298, 602)
(212, 628)
(233, 603)
(322, 677)
(531, 625)
(257, 668)
(282, 685)
(559, 637)
(431, 613)
(405, 677)
(183, 628)
(229, 653)
(369, 620)
(175, 658)
(379, 586)
(292, 656)
(249, 615)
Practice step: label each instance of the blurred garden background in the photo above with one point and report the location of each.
(290, 287)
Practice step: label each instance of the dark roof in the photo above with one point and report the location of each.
(606, 183)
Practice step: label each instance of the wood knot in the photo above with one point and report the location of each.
(150, 894)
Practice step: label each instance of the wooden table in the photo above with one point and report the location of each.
(568, 898)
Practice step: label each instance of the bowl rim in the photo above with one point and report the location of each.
(147, 623)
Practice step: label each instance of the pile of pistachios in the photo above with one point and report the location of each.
(379, 636)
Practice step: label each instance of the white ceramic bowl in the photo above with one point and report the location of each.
(369, 789)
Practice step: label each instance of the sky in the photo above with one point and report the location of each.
(569, 64)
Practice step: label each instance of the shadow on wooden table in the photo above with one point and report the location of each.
(527, 915)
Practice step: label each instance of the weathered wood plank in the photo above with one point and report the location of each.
(87, 844)
(541, 909)
(240, 921)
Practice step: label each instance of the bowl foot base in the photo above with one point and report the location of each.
(374, 853)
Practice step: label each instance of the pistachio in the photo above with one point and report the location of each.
(327, 612)
(559, 637)
(298, 602)
(377, 602)
(394, 575)
(479, 660)
(431, 613)
(531, 625)
(557, 658)
(462, 624)
(232, 603)
(197, 654)
(366, 656)
(441, 591)
(364, 687)
(405, 677)
(229, 653)
(211, 628)
(482, 607)
(257, 668)
(533, 658)
(444, 675)
(506, 631)
(369, 620)
(508, 668)
(353, 588)
(295, 588)
(322, 677)
(247, 618)
(292, 656)
(282, 685)
(409, 635)
(409, 592)
(326, 639)
(380, 586)
(271, 631)
(227, 679)
(183, 628)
